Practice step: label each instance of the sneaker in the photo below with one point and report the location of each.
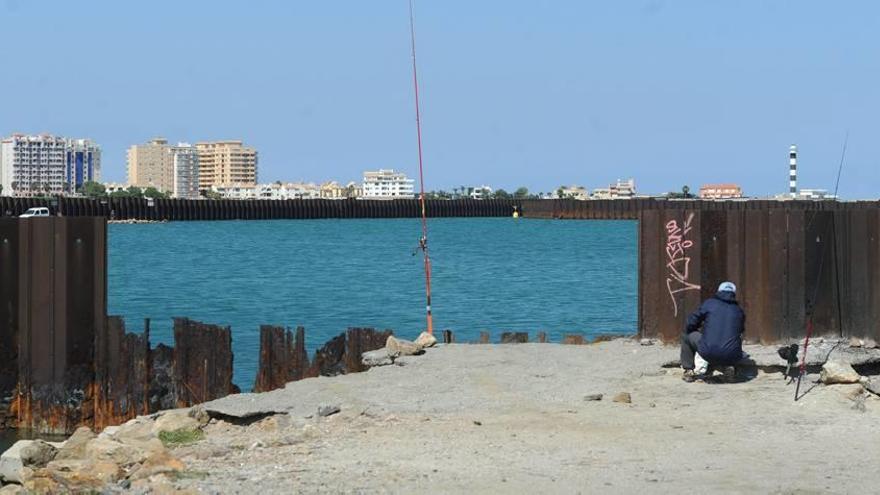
(701, 365)
(689, 376)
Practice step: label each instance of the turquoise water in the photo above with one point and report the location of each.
(495, 274)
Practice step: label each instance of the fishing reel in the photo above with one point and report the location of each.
(423, 245)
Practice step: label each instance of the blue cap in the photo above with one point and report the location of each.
(727, 286)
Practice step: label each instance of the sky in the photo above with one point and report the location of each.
(514, 93)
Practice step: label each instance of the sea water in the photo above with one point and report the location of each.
(496, 274)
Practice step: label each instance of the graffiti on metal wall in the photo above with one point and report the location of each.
(678, 260)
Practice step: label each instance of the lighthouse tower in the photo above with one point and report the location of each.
(792, 170)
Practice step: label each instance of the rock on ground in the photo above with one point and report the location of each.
(838, 372)
(75, 445)
(379, 357)
(399, 347)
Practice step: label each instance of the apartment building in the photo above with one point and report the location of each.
(185, 171)
(387, 184)
(46, 164)
(334, 190)
(622, 189)
(83, 163)
(151, 165)
(573, 192)
(226, 163)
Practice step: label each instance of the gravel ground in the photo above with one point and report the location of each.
(514, 419)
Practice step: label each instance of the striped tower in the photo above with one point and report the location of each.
(792, 170)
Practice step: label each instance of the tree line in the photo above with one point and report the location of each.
(468, 192)
(97, 190)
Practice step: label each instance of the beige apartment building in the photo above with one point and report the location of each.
(226, 163)
(151, 164)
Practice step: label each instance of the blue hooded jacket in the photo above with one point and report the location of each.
(723, 323)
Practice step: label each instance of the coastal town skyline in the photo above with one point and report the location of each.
(609, 92)
(47, 164)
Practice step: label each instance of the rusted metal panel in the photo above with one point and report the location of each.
(60, 308)
(794, 285)
(680, 245)
(820, 276)
(754, 295)
(202, 362)
(276, 358)
(855, 268)
(652, 282)
(713, 251)
(122, 375)
(342, 354)
(776, 252)
(9, 276)
(873, 238)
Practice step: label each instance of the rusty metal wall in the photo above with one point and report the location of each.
(788, 259)
(59, 307)
(183, 210)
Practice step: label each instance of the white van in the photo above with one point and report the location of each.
(41, 211)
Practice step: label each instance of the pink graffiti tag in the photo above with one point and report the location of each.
(678, 261)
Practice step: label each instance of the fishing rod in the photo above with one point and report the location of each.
(423, 240)
(812, 302)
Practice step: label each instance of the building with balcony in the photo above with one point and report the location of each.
(622, 189)
(83, 163)
(289, 190)
(573, 192)
(226, 163)
(185, 171)
(720, 191)
(45, 164)
(387, 184)
(151, 165)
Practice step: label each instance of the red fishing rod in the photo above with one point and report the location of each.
(423, 241)
(803, 367)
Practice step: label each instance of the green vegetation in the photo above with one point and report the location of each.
(521, 193)
(684, 194)
(152, 192)
(93, 189)
(211, 195)
(183, 436)
(502, 194)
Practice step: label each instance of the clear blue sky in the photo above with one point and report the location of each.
(534, 93)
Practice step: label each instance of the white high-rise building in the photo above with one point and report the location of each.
(83, 163)
(387, 184)
(46, 164)
(185, 161)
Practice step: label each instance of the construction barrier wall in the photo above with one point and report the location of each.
(182, 209)
(53, 302)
